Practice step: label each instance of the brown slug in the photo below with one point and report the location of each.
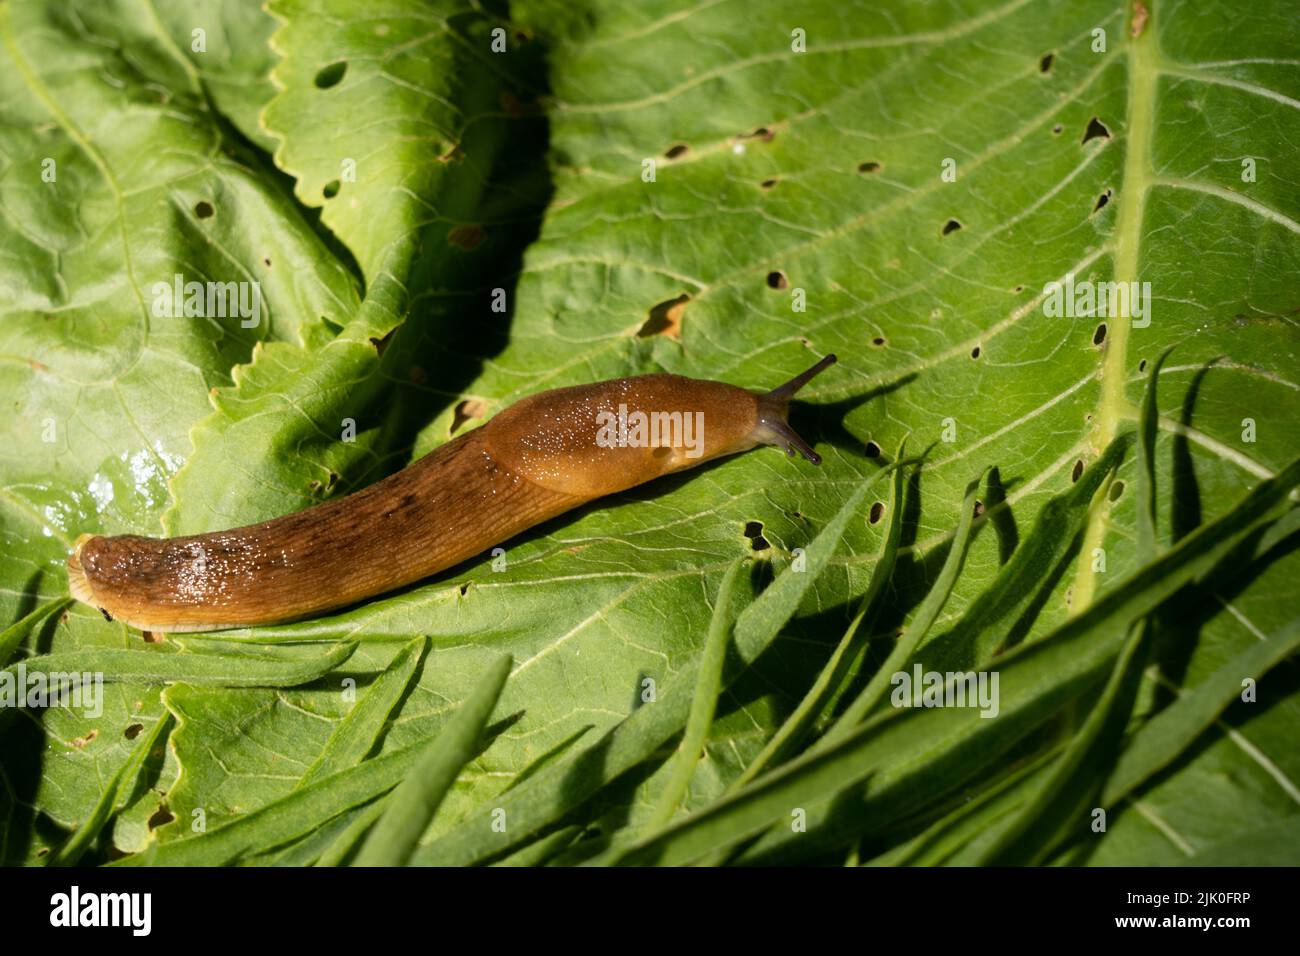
(534, 460)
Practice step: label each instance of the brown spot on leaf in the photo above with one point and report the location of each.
(470, 408)
(1139, 21)
(665, 319)
(467, 237)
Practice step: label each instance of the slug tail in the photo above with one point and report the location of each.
(774, 407)
(78, 583)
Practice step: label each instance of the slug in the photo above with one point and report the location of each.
(534, 460)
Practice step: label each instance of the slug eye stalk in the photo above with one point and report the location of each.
(774, 407)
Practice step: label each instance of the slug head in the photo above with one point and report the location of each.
(592, 440)
(774, 407)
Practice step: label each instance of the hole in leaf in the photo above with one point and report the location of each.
(467, 410)
(1077, 473)
(877, 512)
(1018, 289)
(679, 150)
(464, 589)
(1100, 335)
(1116, 490)
(266, 262)
(952, 225)
(331, 189)
(203, 209)
(665, 319)
(1058, 129)
(777, 280)
(878, 341)
(1142, 365)
(133, 731)
(331, 75)
(1101, 201)
(870, 167)
(763, 133)
(161, 816)
(979, 508)
(768, 183)
(381, 343)
(1096, 130)
(754, 532)
(873, 450)
(975, 352)
(1045, 64)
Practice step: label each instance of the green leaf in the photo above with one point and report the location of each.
(342, 848)
(357, 733)
(13, 635)
(1061, 803)
(1159, 742)
(902, 190)
(286, 819)
(555, 791)
(835, 670)
(704, 702)
(396, 833)
(911, 639)
(156, 667)
(948, 744)
(111, 799)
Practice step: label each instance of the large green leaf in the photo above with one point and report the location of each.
(913, 176)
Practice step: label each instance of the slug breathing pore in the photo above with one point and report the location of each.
(540, 457)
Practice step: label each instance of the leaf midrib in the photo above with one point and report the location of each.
(1112, 406)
